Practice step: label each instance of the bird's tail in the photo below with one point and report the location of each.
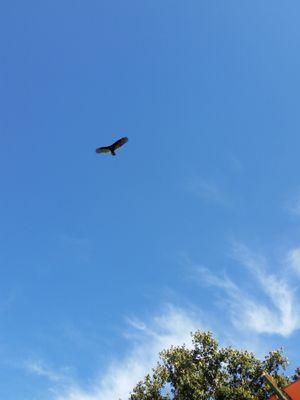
(112, 152)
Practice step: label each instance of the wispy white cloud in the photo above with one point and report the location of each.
(292, 205)
(261, 301)
(172, 327)
(293, 260)
(40, 368)
(271, 306)
(208, 190)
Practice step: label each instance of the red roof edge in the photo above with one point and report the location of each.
(293, 390)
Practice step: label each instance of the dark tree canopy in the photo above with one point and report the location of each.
(209, 372)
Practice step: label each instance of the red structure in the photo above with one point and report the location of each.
(293, 390)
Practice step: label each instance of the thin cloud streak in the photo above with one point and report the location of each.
(274, 310)
(293, 260)
(270, 306)
(38, 367)
(292, 205)
(208, 191)
(173, 327)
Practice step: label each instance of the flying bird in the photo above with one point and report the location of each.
(112, 147)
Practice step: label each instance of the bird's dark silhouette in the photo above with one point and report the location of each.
(112, 147)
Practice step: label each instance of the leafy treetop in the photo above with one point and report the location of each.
(208, 372)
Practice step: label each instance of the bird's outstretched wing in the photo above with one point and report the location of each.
(105, 149)
(111, 149)
(119, 143)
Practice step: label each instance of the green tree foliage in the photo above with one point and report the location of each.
(208, 372)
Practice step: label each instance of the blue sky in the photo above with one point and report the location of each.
(193, 225)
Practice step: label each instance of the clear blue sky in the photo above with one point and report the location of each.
(194, 224)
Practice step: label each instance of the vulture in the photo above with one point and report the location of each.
(112, 147)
